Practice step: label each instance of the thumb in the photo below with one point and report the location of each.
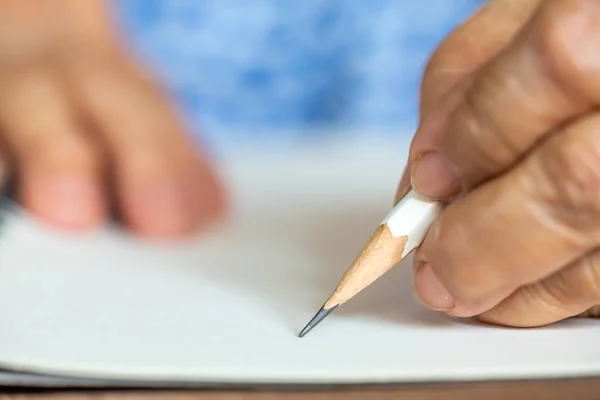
(573, 291)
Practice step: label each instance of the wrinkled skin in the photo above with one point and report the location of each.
(509, 139)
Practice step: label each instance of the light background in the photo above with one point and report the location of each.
(264, 70)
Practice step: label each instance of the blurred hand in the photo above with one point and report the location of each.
(510, 138)
(83, 129)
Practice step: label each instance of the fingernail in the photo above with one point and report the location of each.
(72, 201)
(430, 291)
(404, 186)
(433, 176)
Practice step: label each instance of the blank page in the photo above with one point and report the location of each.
(226, 306)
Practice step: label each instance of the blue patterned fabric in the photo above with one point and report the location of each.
(238, 68)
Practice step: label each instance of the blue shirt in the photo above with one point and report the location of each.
(291, 67)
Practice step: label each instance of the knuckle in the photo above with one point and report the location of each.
(580, 185)
(477, 142)
(437, 64)
(567, 38)
(553, 293)
(571, 181)
(589, 287)
(576, 286)
(429, 90)
(550, 298)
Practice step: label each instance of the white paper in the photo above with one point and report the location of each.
(227, 307)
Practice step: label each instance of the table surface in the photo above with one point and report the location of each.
(580, 389)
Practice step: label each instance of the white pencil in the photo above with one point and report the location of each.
(401, 231)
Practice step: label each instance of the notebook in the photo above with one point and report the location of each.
(225, 307)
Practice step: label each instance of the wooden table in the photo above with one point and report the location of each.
(576, 389)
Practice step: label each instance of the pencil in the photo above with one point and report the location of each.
(400, 232)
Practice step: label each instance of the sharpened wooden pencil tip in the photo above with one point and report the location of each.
(319, 316)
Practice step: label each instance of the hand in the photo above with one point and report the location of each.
(83, 129)
(510, 139)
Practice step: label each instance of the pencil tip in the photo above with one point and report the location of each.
(319, 316)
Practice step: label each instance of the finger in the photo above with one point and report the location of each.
(465, 50)
(59, 171)
(571, 292)
(517, 228)
(164, 187)
(470, 45)
(547, 77)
